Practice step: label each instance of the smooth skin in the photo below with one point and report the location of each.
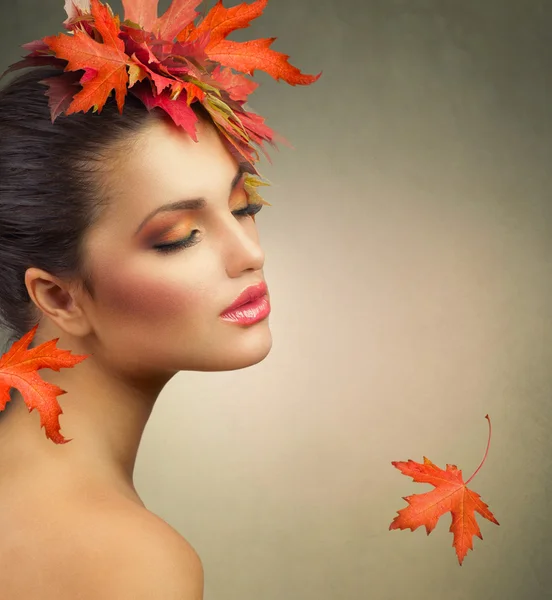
(73, 525)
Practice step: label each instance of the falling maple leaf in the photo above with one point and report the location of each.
(18, 369)
(451, 494)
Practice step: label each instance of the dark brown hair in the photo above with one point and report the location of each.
(50, 191)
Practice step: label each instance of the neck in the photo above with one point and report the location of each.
(104, 416)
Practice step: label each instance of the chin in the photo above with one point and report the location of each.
(249, 347)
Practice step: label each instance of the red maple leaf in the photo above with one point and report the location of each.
(61, 90)
(18, 369)
(451, 494)
(107, 61)
(178, 109)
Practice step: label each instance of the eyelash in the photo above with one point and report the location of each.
(250, 210)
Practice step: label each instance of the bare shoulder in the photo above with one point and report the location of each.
(141, 557)
(96, 545)
(108, 549)
(90, 544)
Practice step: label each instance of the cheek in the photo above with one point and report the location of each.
(152, 294)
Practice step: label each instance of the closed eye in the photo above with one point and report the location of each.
(249, 210)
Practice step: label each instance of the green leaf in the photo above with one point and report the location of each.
(250, 184)
(217, 108)
(132, 24)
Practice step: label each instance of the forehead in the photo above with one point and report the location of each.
(166, 165)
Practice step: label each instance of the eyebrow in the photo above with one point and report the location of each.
(189, 204)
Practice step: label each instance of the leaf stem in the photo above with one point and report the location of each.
(486, 452)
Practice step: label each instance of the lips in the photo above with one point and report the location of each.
(250, 294)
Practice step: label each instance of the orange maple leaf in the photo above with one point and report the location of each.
(256, 55)
(245, 57)
(18, 369)
(141, 12)
(220, 21)
(106, 62)
(237, 86)
(177, 16)
(451, 494)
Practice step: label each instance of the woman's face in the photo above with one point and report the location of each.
(158, 312)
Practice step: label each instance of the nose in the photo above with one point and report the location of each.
(241, 248)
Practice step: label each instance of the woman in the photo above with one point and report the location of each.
(136, 245)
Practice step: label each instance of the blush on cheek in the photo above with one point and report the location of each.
(155, 299)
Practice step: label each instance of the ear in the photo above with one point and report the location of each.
(57, 300)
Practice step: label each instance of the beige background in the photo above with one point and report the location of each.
(409, 261)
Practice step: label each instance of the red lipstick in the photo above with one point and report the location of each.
(251, 306)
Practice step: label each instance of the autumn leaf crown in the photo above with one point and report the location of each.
(166, 62)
